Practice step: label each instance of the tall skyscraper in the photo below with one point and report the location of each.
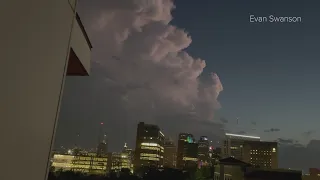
(129, 155)
(233, 145)
(187, 154)
(149, 146)
(203, 151)
(170, 154)
(261, 153)
(102, 149)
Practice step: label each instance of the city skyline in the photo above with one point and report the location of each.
(266, 84)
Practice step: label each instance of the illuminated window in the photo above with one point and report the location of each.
(273, 149)
(189, 159)
(149, 144)
(151, 148)
(149, 155)
(149, 158)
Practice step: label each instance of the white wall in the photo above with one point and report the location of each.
(34, 38)
(80, 46)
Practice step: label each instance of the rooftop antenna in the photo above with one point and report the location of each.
(77, 140)
(105, 138)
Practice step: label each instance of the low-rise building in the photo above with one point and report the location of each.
(234, 169)
(314, 174)
(84, 163)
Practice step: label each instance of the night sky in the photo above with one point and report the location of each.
(269, 71)
(141, 72)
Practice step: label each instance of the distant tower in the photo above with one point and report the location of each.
(100, 132)
(102, 149)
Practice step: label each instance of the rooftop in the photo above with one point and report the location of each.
(242, 136)
(233, 161)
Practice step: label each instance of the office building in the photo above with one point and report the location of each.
(61, 162)
(203, 151)
(129, 154)
(118, 161)
(233, 145)
(261, 154)
(149, 146)
(44, 42)
(84, 163)
(187, 153)
(170, 154)
(234, 169)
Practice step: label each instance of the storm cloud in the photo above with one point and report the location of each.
(140, 72)
(307, 134)
(224, 120)
(272, 130)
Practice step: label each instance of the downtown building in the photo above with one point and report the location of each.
(187, 153)
(45, 41)
(203, 151)
(261, 154)
(118, 161)
(149, 146)
(251, 150)
(80, 162)
(170, 154)
(233, 145)
(128, 155)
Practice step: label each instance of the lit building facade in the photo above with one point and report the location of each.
(170, 154)
(118, 161)
(203, 151)
(45, 41)
(149, 146)
(260, 153)
(62, 162)
(233, 145)
(187, 153)
(85, 163)
(129, 154)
